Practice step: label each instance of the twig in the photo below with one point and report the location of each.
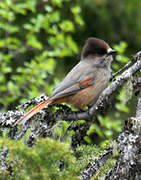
(93, 168)
(124, 67)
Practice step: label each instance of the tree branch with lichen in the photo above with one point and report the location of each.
(46, 120)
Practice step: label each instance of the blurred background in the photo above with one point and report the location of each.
(41, 40)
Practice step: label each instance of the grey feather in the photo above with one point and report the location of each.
(70, 84)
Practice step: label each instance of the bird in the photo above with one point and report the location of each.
(84, 83)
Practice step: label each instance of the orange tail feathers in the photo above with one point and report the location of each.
(32, 112)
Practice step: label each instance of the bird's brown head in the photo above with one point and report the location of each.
(96, 47)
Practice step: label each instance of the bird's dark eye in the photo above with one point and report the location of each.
(100, 51)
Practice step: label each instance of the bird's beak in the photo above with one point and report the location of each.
(111, 51)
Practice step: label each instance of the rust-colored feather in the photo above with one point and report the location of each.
(33, 111)
(87, 81)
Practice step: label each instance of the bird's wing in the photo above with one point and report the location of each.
(80, 77)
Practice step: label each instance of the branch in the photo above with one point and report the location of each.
(128, 165)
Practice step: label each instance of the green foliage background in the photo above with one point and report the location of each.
(48, 160)
(40, 41)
